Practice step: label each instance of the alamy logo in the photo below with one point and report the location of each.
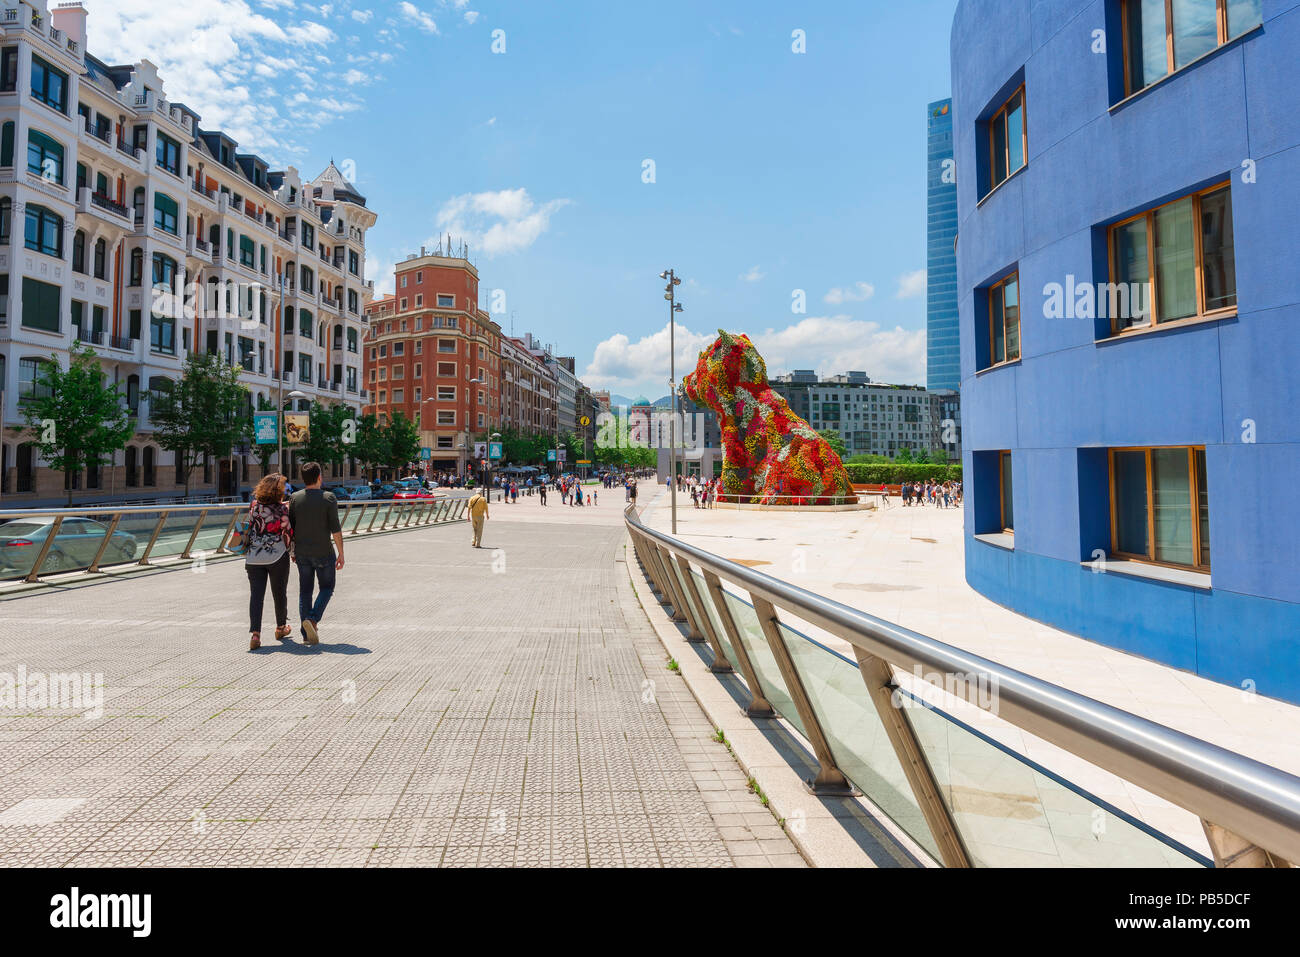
(36, 691)
(130, 911)
(1096, 300)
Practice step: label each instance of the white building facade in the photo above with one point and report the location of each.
(110, 194)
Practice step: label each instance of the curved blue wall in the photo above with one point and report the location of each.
(1093, 159)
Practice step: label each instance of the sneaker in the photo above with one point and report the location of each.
(309, 634)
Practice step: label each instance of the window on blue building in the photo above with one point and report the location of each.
(1008, 139)
(1160, 508)
(1004, 320)
(1163, 36)
(1174, 262)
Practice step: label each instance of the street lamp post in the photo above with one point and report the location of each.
(674, 307)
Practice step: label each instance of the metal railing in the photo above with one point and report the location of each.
(35, 543)
(953, 789)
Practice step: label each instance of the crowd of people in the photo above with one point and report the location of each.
(938, 494)
(703, 492)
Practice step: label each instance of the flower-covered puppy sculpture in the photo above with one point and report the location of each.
(770, 455)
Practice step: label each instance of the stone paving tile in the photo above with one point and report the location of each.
(451, 717)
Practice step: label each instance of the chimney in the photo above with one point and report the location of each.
(70, 18)
(423, 251)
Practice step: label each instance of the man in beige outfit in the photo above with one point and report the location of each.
(478, 516)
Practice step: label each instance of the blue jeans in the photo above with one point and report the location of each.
(310, 572)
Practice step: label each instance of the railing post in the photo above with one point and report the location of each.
(670, 583)
(878, 676)
(647, 566)
(1231, 850)
(721, 665)
(103, 546)
(234, 516)
(153, 539)
(185, 552)
(35, 574)
(830, 780)
(378, 508)
(681, 578)
(356, 526)
(759, 706)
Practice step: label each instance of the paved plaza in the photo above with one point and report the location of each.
(503, 707)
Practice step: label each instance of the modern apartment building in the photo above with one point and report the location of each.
(872, 418)
(121, 194)
(1130, 324)
(435, 356)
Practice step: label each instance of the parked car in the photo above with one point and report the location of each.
(75, 546)
(351, 493)
(410, 493)
(382, 489)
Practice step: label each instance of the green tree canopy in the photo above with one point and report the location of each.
(75, 416)
(204, 414)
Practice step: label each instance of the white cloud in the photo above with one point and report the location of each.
(363, 16)
(858, 292)
(218, 56)
(829, 344)
(417, 17)
(753, 275)
(505, 221)
(471, 16)
(353, 77)
(912, 284)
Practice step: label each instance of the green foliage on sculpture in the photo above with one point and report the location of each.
(770, 455)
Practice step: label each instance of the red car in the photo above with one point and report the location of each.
(410, 493)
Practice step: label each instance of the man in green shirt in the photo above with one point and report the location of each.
(314, 515)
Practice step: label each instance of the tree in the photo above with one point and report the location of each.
(904, 456)
(326, 435)
(372, 446)
(204, 414)
(403, 442)
(76, 418)
(836, 443)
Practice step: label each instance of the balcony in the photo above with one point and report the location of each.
(200, 189)
(92, 337)
(122, 342)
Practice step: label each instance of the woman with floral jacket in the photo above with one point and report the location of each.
(270, 549)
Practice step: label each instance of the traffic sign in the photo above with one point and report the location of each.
(585, 421)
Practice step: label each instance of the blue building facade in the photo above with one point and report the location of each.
(1128, 270)
(943, 346)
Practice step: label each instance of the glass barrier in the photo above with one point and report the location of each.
(1011, 812)
(760, 655)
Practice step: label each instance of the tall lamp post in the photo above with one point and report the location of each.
(674, 307)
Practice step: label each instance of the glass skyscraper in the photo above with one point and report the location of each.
(943, 347)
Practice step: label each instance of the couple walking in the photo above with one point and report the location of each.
(297, 530)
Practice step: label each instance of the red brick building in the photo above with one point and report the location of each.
(433, 354)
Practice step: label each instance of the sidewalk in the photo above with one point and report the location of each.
(508, 706)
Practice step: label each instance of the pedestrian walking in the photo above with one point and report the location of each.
(270, 544)
(314, 515)
(478, 516)
(541, 490)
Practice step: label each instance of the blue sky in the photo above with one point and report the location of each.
(774, 171)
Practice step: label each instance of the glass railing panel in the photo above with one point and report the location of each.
(760, 655)
(357, 518)
(855, 733)
(212, 531)
(1011, 812)
(20, 545)
(139, 526)
(175, 533)
(74, 546)
(711, 610)
(681, 585)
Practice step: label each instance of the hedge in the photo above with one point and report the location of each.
(899, 474)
